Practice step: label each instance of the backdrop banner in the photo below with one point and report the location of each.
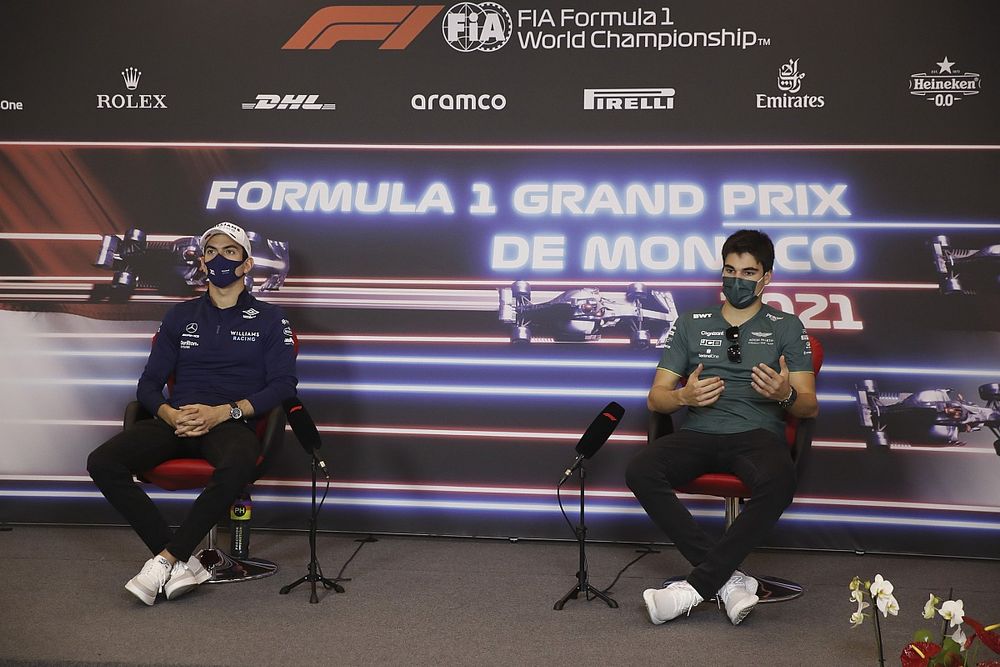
(482, 221)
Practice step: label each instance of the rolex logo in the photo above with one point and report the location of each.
(131, 76)
(130, 101)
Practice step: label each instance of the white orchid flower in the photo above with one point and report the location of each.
(931, 606)
(959, 637)
(887, 605)
(858, 617)
(952, 610)
(880, 587)
(857, 596)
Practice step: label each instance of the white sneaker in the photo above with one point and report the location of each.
(202, 575)
(184, 577)
(154, 574)
(668, 603)
(739, 594)
(743, 579)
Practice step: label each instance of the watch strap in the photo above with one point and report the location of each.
(789, 400)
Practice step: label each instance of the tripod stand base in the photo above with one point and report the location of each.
(587, 590)
(313, 579)
(225, 569)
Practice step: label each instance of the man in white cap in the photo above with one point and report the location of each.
(231, 357)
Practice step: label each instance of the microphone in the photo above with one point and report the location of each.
(304, 429)
(596, 435)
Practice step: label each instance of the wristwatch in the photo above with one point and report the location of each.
(235, 412)
(789, 400)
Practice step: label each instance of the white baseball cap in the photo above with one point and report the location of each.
(235, 232)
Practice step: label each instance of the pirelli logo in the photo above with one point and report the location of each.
(395, 26)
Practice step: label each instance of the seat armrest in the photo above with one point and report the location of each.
(660, 424)
(272, 437)
(802, 447)
(134, 412)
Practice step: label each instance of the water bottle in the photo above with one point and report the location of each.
(239, 515)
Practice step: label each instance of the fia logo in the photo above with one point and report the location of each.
(468, 26)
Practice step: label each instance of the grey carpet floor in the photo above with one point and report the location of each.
(437, 601)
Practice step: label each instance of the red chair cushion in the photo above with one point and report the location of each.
(717, 484)
(177, 474)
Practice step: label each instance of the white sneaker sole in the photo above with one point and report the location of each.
(743, 610)
(201, 576)
(647, 596)
(172, 593)
(140, 592)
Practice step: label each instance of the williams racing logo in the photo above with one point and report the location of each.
(245, 336)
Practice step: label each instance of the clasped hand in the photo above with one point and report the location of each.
(191, 421)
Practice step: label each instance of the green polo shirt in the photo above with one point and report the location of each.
(700, 338)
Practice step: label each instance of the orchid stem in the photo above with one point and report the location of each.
(944, 623)
(878, 632)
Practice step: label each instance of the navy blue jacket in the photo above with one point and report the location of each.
(218, 356)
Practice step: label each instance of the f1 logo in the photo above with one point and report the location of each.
(393, 25)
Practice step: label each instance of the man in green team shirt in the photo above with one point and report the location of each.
(738, 368)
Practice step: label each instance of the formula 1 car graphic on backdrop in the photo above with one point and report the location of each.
(172, 267)
(930, 417)
(580, 315)
(966, 270)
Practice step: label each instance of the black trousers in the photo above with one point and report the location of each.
(760, 458)
(231, 447)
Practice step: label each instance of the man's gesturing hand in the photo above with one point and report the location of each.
(698, 392)
(770, 384)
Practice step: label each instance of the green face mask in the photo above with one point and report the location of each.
(740, 292)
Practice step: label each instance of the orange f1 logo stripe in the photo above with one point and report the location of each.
(609, 416)
(393, 25)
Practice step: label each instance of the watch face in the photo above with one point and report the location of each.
(236, 413)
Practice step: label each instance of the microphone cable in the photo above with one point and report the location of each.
(645, 551)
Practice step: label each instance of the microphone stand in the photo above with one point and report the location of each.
(315, 571)
(583, 583)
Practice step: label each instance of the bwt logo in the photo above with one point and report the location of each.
(469, 26)
(628, 99)
(395, 26)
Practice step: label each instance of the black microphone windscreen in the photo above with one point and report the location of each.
(600, 430)
(302, 424)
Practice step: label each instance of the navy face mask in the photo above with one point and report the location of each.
(740, 292)
(222, 271)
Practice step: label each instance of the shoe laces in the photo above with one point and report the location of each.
(737, 581)
(690, 596)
